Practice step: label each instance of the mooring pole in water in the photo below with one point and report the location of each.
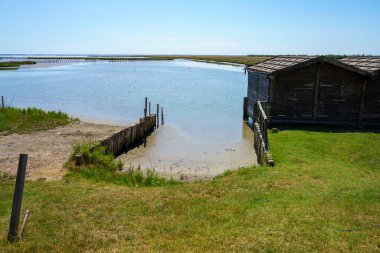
(162, 115)
(146, 107)
(245, 108)
(2, 101)
(17, 197)
(158, 116)
(149, 109)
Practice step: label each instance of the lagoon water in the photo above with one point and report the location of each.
(202, 106)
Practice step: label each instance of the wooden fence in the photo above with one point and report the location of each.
(130, 137)
(260, 129)
(262, 119)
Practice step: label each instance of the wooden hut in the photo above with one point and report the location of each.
(316, 90)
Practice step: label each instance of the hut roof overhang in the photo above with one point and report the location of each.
(364, 66)
(368, 63)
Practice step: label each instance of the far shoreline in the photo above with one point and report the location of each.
(45, 65)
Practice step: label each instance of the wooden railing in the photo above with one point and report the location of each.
(260, 129)
(262, 119)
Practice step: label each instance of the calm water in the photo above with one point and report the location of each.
(203, 133)
(202, 100)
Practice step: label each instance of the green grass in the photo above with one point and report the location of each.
(99, 166)
(15, 63)
(17, 120)
(323, 184)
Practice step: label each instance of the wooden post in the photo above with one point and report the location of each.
(162, 115)
(265, 133)
(245, 108)
(158, 115)
(316, 95)
(362, 101)
(2, 101)
(146, 107)
(24, 223)
(149, 108)
(79, 159)
(17, 197)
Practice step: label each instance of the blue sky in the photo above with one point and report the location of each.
(190, 27)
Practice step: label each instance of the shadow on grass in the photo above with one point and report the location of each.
(324, 128)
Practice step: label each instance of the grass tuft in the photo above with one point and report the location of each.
(99, 166)
(21, 121)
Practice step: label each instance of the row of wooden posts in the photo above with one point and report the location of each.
(135, 135)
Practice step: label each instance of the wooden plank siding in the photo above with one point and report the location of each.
(294, 94)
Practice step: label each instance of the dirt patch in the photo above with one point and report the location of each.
(48, 150)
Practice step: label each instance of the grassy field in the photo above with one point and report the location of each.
(323, 195)
(16, 120)
(15, 63)
(240, 59)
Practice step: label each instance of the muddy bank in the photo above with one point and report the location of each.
(173, 154)
(48, 150)
(169, 152)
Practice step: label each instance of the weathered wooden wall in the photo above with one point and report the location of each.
(294, 93)
(339, 94)
(130, 137)
(324, 93)
(258, 90)
(371, 111)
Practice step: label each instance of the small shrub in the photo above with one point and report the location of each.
(119, 164)
(92, 155)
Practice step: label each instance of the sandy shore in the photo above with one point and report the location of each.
(173, 154)
(168, 152)
(48, 150)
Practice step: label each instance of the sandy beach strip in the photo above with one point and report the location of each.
(48, 150)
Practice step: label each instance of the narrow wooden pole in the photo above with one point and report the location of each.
(149, 109)
(245, 108)
(158, 116)
(17, 197)
(2, 101)
(162, 115)
(24, 223)
(146, 107)
(362, 101)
